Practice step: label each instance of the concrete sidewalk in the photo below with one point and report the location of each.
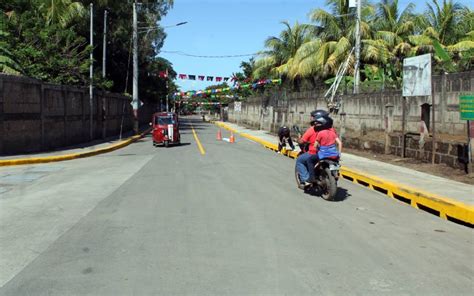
(73, 152)
(415, 184)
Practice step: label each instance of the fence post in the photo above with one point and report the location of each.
(1, 116)
(404, 99)
(64, 92)
(42, 115)
(104, 116)
(443, 101)
(85, 130)
(388, 122)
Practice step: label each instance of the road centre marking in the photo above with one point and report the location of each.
(201, 149)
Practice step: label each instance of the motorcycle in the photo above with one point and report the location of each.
(326, 172)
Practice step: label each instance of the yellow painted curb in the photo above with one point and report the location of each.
(440, 206)
(35, 160)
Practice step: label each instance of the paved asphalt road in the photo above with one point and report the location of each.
(156, 221)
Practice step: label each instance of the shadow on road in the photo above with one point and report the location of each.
(174, 146)
(341, 195)
(196, 126)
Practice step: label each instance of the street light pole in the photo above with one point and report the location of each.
(357, 48)
(104, 45)
(135, 101)
(91, 73)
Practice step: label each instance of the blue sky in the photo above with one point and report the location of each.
(229, 27)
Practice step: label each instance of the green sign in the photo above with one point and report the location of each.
(466, 105)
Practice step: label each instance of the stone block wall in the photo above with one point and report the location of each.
(361, 114)
(37, 116)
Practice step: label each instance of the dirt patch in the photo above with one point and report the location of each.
(440, 170)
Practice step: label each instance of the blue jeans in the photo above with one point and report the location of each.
(310, 163)
(302, 166)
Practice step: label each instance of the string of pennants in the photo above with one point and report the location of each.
(205, 93)
(200, 103)
(205, 78)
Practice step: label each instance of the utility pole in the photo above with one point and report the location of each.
(357, 48)
(167, 90)
(104, 47)
(135, 101)
(91, 73)
(104, 72)
(167, 96)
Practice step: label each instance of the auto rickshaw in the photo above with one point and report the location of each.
(165, 129)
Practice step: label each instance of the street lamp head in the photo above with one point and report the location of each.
(180, 24)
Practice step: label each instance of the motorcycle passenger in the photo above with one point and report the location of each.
(326, 140)
(284, 136)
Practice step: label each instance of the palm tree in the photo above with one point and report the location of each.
(392, 27)
(332, 40)
(441, 21)
(278, 57)
(390, 41)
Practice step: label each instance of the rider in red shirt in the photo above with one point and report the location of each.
(305, 162)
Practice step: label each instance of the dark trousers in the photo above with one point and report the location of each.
(282, 143)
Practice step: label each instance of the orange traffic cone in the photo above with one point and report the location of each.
(219, 135)
(232, 139)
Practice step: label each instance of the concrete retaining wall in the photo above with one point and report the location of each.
(37, 116)
(368, 113)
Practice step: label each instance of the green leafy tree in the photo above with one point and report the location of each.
(61, 12)
(7, 63)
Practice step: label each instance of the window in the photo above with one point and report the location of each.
(164, 120)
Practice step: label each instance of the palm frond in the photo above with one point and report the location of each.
(462, 46)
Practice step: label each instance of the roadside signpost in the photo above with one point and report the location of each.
(466, 107)
(238, 106)
(417, 82)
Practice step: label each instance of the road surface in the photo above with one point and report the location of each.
(223, 219)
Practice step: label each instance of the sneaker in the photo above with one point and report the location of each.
(306, 184)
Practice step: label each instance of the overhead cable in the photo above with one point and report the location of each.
(209, 56)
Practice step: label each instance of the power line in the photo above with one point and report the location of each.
(209, 56)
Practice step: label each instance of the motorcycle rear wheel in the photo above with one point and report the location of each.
(329, 185)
